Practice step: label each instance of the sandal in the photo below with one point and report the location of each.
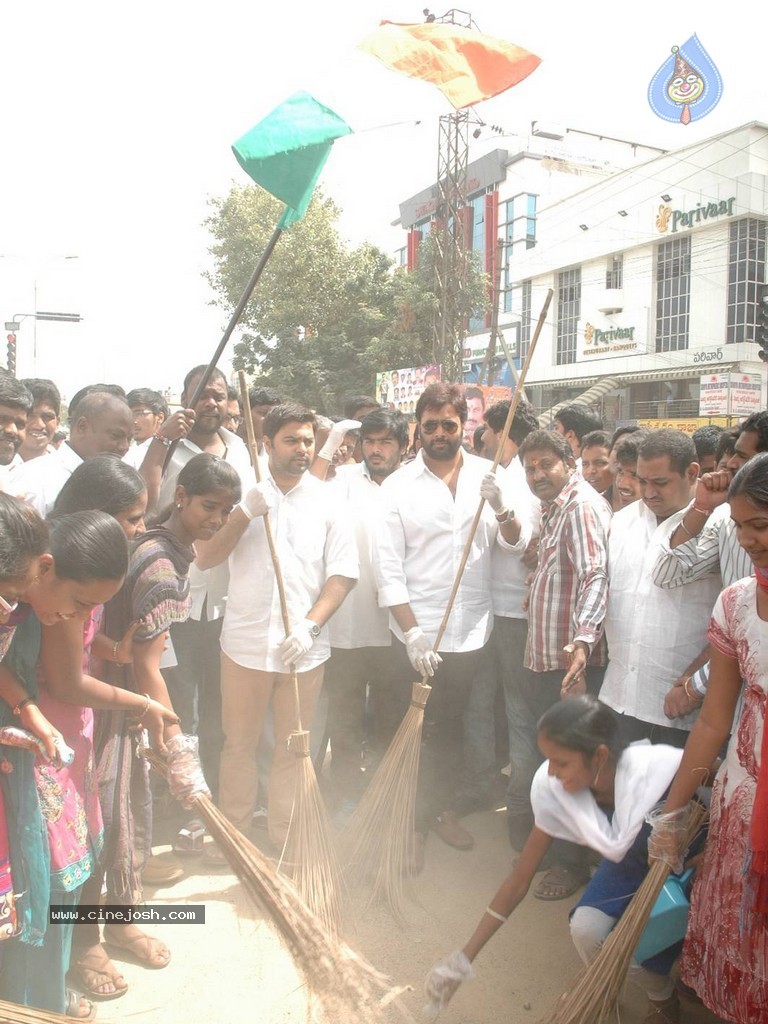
(190, 839)
(142, 949)
(92, 973)
(559, 883)
(75, 1004)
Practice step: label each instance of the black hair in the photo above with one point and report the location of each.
(578, 418)
(477, 438)
(583, 723)
(287, 412)
(13, 392)
(43, 390)
(705, 440)
(625, 449)
(726, 443)
(436, 395)
(198, 371)
(91, 389)
(207, 473)
(23, 536)
(523, 422)
(674, 443)
(105, 483)
(386, 419)
(233, 395)
(757, 423)
(621, 432)
(355, 403)
(264, 396)
(751, 481)
(472, 391)
(151, 399)
(60, 435)
(88, 546)
(596, 439)
(547, 441)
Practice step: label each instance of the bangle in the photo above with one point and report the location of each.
(682, 526)
(23, 704)
(140, 715)
(694, 697)
(114, 652)
(702, 511)
(165, 441)
(496, 915)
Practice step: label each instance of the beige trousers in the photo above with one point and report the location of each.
(245, 696)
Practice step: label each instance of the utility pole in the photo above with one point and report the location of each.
(451, 228)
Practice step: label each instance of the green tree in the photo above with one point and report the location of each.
(324, 318)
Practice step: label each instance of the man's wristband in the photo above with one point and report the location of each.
(164, 441)
(23, 704)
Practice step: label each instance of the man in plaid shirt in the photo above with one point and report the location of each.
(565, 653)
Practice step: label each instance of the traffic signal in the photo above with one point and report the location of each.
(12, 354)
(761, 331)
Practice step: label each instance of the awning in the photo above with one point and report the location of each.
(636, 377)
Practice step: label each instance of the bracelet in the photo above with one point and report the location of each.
(165, 441)
(22, 704)
(682, 526)
(702, 511)
(144, 710)
(114, 652)
(496, 915)
(694, 697)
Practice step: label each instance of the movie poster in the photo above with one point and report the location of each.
(400, 389)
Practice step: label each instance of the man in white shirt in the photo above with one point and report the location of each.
(43, 420)
(360, 637)
(191, 665)
(319, 566)
(15, 406)
(100, 424)
(654, 636)
(429, 506)
(149, 410)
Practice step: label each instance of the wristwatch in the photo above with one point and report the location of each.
(505, 516)
(314, 630)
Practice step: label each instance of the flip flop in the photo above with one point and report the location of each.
(95, 963)
(562, 880)
(139, 949)
(74, 1001)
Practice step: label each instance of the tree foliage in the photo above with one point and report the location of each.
(324, 318)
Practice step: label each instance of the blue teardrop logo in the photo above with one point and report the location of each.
(687, 86)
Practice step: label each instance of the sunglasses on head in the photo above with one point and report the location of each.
(430, 426)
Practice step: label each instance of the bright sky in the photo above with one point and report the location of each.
(117, 122)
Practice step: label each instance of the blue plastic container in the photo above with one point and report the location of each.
(669, 917)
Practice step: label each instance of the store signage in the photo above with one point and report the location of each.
(688, 426)
(730, 394)
(689, 218)
(607, 341)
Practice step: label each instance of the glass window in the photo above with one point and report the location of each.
(614, 273)
(746, 274)
(673, 294)
(525, 318)
(568, 314)
(518, 228)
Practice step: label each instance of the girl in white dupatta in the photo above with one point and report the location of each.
(594, 791)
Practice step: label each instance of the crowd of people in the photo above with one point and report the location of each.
(604, 642)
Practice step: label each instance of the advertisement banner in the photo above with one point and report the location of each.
(731, 394)
(400, 389)
(713, 394)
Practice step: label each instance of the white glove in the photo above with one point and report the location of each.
(490, 490)
(254, 503)
(420, 653)
(336, 437)
(298, 642)
(184, 771)
(443, 980)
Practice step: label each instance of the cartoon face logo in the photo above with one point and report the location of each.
(662, 221)
(687, 86)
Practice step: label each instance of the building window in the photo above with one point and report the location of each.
(568, 314)
(525, 317)
(518, 226)
(614, 273)
(746, 275)
(673, 294)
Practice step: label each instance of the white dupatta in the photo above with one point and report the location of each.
(643, 774)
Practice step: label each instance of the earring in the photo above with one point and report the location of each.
(178, 504)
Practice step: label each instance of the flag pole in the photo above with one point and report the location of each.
(237, 313)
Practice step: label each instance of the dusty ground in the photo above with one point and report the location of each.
(234, 968)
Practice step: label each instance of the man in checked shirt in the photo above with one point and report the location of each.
(565, 653)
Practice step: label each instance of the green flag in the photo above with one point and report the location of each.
(287, 150)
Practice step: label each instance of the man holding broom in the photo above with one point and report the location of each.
(318, 558)
(429, 506)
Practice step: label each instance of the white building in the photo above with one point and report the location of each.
(656, 261)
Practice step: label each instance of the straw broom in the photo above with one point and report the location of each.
(377, 844)
(347, 986)
(15, 1013)
(308, 851)
(598, 986)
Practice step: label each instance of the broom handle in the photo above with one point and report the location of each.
(254, 450)
(507, 424)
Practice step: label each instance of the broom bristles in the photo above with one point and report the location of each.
(378, 842)
(15, 1013)
(346, 985)
(598, 986)
(311, 858)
